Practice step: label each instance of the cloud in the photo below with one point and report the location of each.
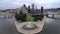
(48, 3)
(5, 4)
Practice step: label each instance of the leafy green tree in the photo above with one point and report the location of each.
(20, 16)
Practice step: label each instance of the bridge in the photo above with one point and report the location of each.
(47, 13)
(53, 13)
(5, 14)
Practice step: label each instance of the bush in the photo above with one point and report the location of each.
(35, 17)
(20, 16)
(17, 16)
(38, 17)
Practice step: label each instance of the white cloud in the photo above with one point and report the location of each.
(48, 3)
(17, 3)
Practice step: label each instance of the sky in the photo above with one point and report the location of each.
(12, 4)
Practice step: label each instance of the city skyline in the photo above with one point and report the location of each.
(12, 4)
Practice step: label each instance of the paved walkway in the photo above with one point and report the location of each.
(38, 29)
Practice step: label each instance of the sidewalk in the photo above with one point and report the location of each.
(39, 25)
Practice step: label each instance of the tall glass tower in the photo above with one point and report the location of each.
(33, 8)
(42, 9)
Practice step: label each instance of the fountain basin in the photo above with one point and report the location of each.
(29, 26)
(34, 27)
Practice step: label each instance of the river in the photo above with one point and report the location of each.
(51, 26)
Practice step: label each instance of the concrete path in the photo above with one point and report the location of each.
(38, 29)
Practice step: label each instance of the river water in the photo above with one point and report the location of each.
(52, 26)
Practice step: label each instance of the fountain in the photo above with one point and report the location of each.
(29, 26)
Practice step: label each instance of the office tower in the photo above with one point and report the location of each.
(28, 9)
(33, 7)
(42, 9)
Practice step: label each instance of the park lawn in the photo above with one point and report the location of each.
(29, 19)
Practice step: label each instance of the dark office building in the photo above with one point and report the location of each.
(33, 7)
(41, 9)
(28, 9)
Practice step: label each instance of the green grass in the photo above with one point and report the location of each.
(29, 18)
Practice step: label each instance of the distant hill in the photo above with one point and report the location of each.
(52, 10)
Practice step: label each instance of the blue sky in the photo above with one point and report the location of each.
(7, 4)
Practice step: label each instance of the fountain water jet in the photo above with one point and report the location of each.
(29, 26)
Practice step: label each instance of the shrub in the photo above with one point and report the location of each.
(17, 16)
(38, 17)
(20, 16)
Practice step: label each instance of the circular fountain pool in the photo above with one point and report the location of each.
(29, 26)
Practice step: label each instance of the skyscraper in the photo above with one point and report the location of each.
(42, 9)
(33, 7)
(28, 9)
